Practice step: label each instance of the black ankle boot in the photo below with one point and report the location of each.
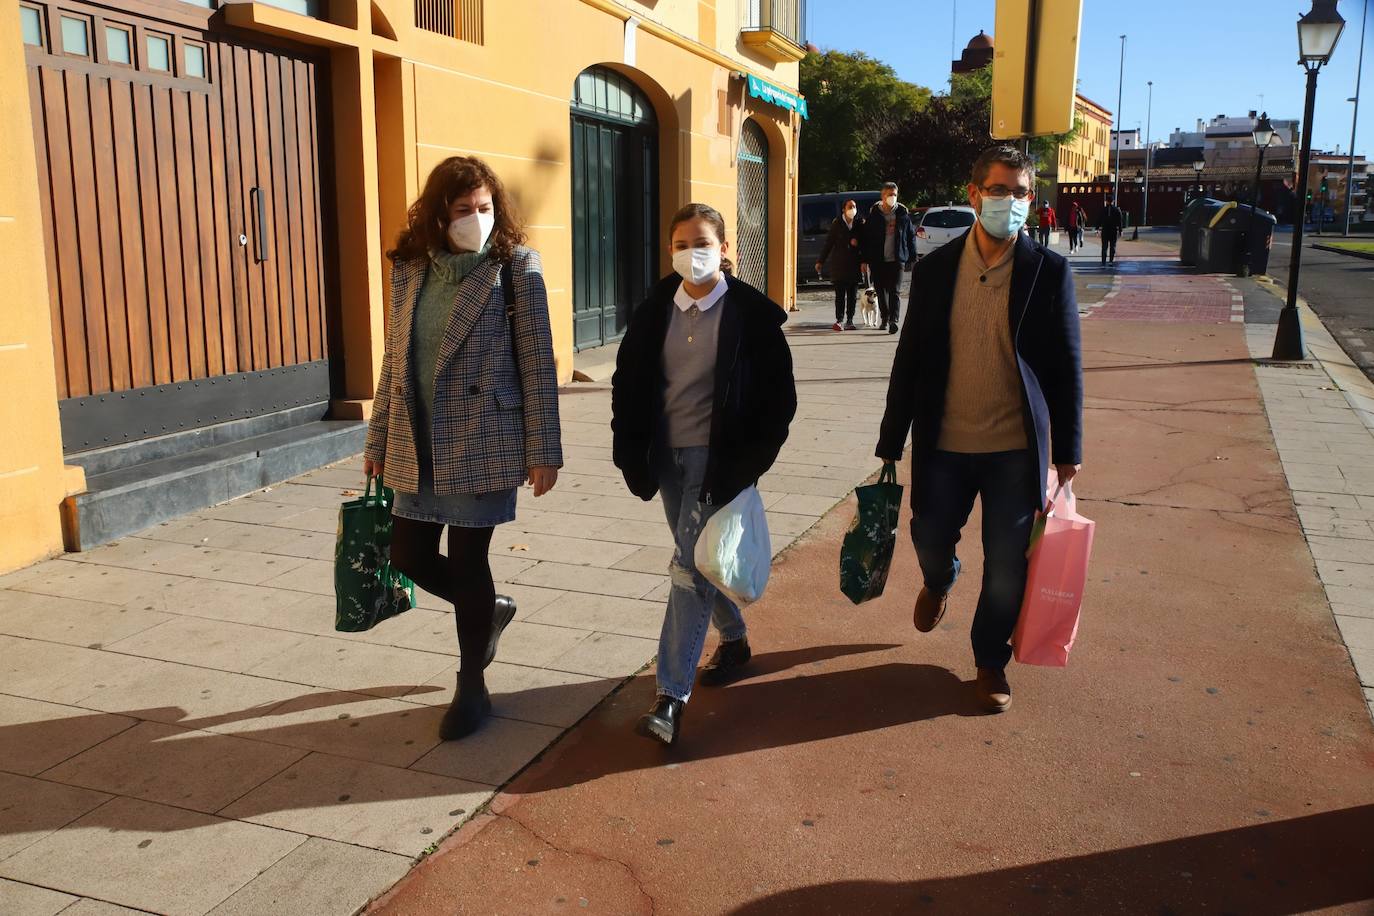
(663, 721)
(726, 663)
(470, 706)
(502, 615)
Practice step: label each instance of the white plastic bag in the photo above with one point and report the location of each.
(734, 552)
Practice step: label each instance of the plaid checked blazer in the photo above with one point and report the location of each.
(491, 423)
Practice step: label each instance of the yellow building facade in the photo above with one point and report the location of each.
(1088, 155)
(198, 200)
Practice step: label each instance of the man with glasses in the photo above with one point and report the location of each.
(889, 242)
(988, 381)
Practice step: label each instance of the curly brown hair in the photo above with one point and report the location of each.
(427, 220)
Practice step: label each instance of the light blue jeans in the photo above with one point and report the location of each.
(693, 603)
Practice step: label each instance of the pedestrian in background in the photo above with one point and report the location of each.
(841, 256)
(1072, 219)
(1048, 221)
(701, 400)
(988, 402)
(889, 243)
(466, 409)
(1111, 222)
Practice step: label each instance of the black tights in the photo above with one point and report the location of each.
(462, 578)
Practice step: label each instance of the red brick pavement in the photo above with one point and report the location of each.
(1170, 297)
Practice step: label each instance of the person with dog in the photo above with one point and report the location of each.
(1111, 223)
(988, 382)
(888, 244)
(701, 401)
(841, 256)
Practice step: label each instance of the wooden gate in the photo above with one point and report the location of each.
(182, 206)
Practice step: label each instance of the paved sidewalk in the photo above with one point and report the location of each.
(182, 731)
(1207, 750)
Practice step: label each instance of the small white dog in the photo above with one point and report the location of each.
(869, 306)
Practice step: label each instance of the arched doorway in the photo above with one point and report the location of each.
(751, 250)
(614, 203)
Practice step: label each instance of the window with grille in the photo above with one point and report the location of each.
(461, 19)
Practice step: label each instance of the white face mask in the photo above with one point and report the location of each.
(699, 265)
(470, 233)
(849, 213)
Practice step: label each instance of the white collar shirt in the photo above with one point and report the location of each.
(683, 300)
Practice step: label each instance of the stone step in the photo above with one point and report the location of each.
(122, 501)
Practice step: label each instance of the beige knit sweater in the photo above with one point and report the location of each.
(983, 411)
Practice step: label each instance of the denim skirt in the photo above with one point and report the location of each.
(463, 510)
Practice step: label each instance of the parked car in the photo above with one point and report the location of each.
(815, 213)
(942, 224)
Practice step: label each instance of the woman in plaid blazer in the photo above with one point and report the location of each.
(467, 405)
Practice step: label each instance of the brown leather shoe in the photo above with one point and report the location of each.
(992, 689)
(930, 609)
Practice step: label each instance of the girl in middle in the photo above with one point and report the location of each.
(702, 397)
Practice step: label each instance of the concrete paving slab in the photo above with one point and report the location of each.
(35, 735)
(575, 551)
(357, 725)
(63, 674)
(590, 580)
(318, 878)
(92, 582)
(88, 907)
(344, 665)
(609, 655)
(210, 643)
(652, 560)
(605, 614)
(152, 857)
(366, 804)
(493, 755)
(186, 695)
(67, 620)
(34, 808)
(199, 770)
(26, 900)
(1358, 632)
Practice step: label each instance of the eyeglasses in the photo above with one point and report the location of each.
(1001, 192)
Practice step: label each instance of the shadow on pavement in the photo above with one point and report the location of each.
(1294, 866)
(754, 715)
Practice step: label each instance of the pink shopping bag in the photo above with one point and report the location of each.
(1060, 545)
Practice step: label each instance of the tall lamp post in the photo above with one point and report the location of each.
(1120, 81)
(1149, 151)
(1318, 32)
(1140, 184)
(1198, 166)
(1264, 135)
(1354, 122)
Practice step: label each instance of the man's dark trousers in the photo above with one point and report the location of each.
(945, 490)
(887, 277)
(1108, 246)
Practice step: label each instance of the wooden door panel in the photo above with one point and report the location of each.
(148, 180)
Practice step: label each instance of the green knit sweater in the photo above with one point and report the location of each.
(437, 295)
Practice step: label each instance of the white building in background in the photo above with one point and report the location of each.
(1127, 139)
(1224, 132)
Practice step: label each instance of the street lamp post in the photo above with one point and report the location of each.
(1120, 79)
(1149, 151)
(1140, 183)
(1264, 135)
(1318, 32)
(1354, 122)
(1198, 166)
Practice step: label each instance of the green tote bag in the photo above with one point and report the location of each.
(866, 555)
(367, 590)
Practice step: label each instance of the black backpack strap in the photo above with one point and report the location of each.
(508, 295)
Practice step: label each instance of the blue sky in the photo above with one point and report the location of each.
(1206, 57)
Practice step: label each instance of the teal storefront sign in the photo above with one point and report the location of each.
(776, 95)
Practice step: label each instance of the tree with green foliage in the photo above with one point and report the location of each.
(929, 154)
(854, 101)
